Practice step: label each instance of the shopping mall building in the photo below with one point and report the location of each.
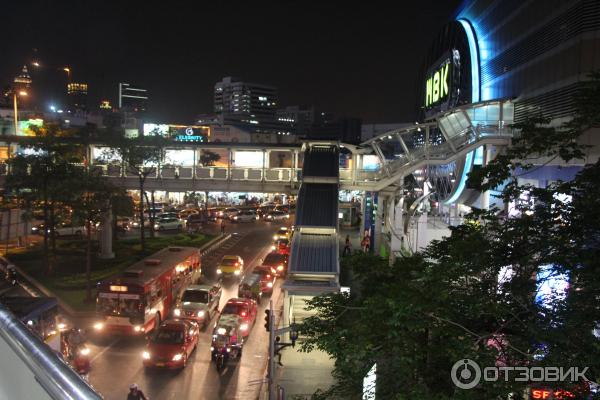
(504, 61)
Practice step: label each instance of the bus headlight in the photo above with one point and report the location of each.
(99, 326)
(177, 357)
(219, 272)
(177, 312)
(237, 272)
(146, 355)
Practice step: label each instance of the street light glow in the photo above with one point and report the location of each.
(22, 93)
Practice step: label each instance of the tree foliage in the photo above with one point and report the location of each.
(478, 293)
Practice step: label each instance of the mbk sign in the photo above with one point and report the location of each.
(437, 86)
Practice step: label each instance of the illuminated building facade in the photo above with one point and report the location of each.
(536, 54)
(78, 96)
(132, 99)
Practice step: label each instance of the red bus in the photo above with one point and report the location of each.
(141, 297)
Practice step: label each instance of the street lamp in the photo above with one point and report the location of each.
(22, 93)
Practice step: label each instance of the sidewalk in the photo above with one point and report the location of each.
(303, 373)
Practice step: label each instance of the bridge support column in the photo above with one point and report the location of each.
(106, 251)
(397, 225)
(485, 196)
(378, 225)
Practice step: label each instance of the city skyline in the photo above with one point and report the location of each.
(348, 61)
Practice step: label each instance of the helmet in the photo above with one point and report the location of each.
(133, 386)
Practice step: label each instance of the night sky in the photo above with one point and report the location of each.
(353, 61)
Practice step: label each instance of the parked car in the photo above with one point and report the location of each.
(277, 216)
(171, 345)
(68, 229)
(164, 224)
(199, 303)
(245, 309)
(245, 216)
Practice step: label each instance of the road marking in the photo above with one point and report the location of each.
(111, 344)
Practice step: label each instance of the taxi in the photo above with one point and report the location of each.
(282, 233)
(171, 345)
(230, 266)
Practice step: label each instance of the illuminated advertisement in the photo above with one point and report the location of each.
(25, 126)
(179, 133)
(248, 159)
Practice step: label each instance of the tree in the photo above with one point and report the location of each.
(209, 158)
(91, 200)
(43, 176)
(482, 293)
(142, 156)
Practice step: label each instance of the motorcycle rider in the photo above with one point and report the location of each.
(75, 339)
(135, 393)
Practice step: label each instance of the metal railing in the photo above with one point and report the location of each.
(57, 379)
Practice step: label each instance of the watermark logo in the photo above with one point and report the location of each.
(466, 374)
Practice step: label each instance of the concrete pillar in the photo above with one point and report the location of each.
(106, 251)
(398, 225)
(421, 233)
(378, 224)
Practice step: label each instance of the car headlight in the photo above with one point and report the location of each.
(237, 272)
(85, 351)
(138, 328)
(275, 237)
(200, 314)
(269, 284)
(146, 355)
(280, 268)
(99, 326)
(244, 327)
(219, 271)
(156, 226)
(35, 228)
(235, 217)
(177, 357)
(212, 348)
(273, 248)
(61, 326)
(177, 312)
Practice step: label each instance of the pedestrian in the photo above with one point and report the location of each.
(222, 227)
(347, 246)
(135, 393)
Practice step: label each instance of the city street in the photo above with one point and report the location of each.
(116, 362)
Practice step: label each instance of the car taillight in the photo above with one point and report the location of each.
(237, 264)
(268, 276)
(243, 313)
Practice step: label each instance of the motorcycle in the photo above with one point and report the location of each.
(81, 360)
(221, 356)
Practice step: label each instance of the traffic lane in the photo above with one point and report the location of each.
(116, 363)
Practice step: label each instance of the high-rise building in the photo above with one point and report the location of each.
(23, 80)
(249, 104)
(132, 99)
(77, 93)
(296, 119)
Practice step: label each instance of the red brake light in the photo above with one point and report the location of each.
(243, 313)
(268, 276)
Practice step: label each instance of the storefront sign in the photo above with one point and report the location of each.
(438, 84)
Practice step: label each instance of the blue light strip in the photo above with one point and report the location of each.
(463, 179)
(475, 97)
(474, 50)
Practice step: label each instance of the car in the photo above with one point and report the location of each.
(194, 221)
(198, 303)
(229, 212)
(282, 233)
(68, 229)
(243, 308)
(230, 266)
(124, 223)
(167, 215)
(245, 216)
(281, 246)
(284, 208)
(267, 278)
(277, 216)
(164, 224)
(171, 344)
(276, 262)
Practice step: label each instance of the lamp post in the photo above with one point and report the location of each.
(16, 110)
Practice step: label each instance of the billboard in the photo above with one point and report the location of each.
(179, 133)
(25, 126)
